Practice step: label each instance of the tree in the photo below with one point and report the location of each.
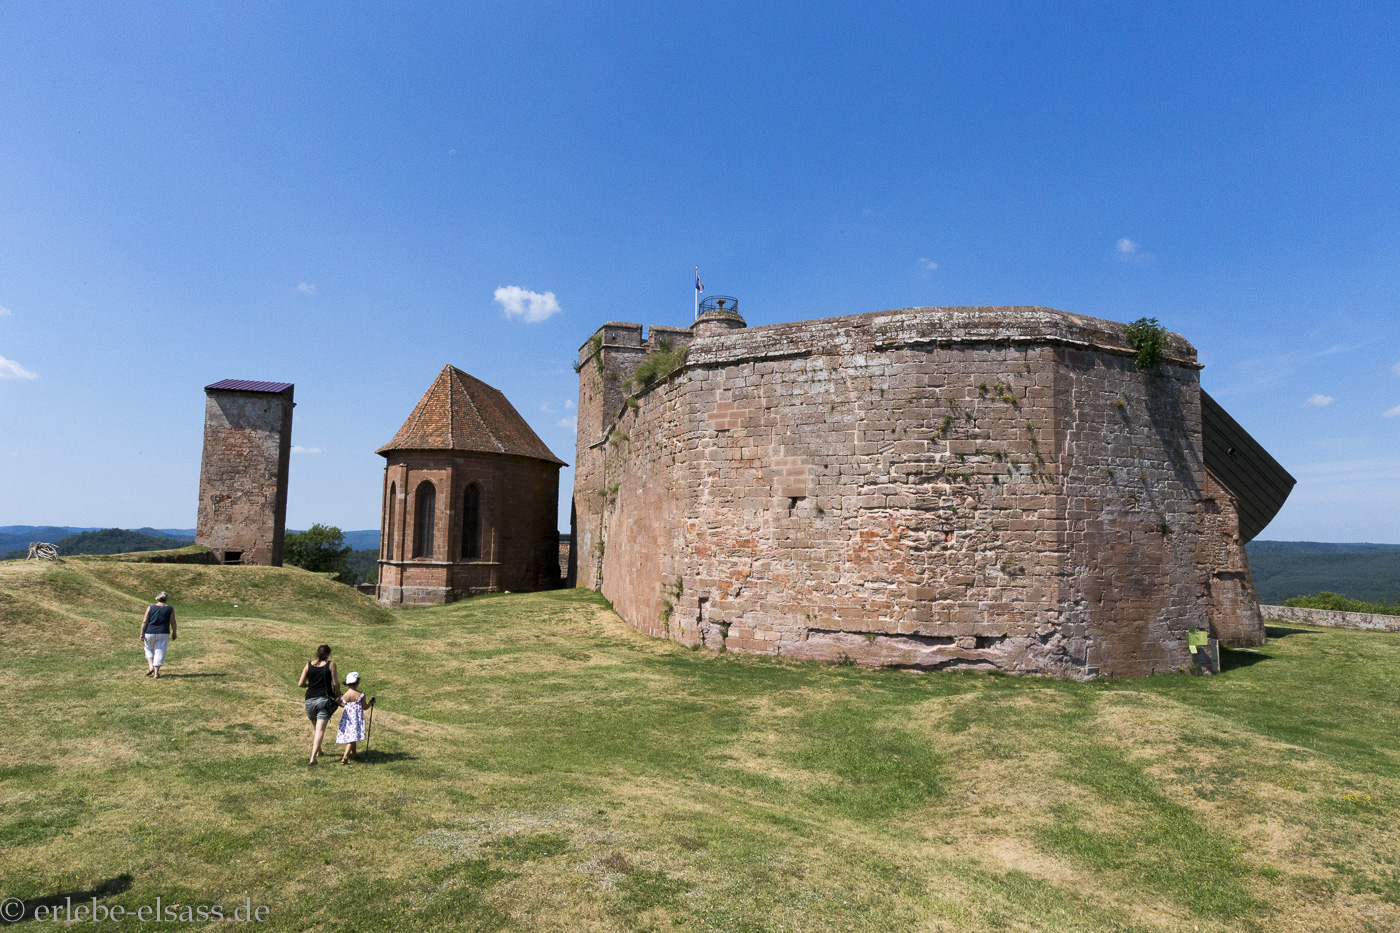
(320, 549)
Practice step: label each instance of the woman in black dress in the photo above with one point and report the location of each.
(322, 687)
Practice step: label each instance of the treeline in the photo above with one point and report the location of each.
(322, 549)
(107, 541)
(1339, 603)
(1285, 569)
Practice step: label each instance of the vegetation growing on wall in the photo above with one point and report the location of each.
(595, 343)
(1339, 603)
(1149, 339)
(659, 363)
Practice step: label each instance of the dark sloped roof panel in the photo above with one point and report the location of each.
(460, 412)
(248, 385)
(1259, 483)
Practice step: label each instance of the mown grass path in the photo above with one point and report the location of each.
(538, 765)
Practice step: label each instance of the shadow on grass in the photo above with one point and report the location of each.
(1278, 631)
(167, 676)
(112, 886)
(1232, 659)
(375, 756)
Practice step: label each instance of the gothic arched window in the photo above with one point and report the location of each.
(471, 523)
(425, 507)
(387, 537)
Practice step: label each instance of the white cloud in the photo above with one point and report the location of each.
(928, 265)
(1393, 413)
(306, 288)
(569, 404)
(523, 303)
(9, 369)
(571, 423)
(298, 449)
(1320, 401)
(5, 312)
(1395, 369)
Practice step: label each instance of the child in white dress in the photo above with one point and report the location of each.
(352, 719)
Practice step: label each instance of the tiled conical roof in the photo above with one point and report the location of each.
(460, 412)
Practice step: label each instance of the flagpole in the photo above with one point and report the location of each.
(697, 294)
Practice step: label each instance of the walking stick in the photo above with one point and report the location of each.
(369, 725)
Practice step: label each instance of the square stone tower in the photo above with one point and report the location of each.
(243, 476)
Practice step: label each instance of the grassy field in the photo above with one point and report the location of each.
(538, 765)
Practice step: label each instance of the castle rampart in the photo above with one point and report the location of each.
(997, 488)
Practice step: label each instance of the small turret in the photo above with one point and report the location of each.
(718, 314)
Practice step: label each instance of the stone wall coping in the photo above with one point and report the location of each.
(886, 330)
(1015, 325)
(881, 331)
(1333, 618)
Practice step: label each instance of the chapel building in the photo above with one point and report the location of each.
(471, 497)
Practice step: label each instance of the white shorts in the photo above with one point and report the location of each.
(155, 648)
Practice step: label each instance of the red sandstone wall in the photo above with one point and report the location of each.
(958, 487)
(1235, 617)
(519, 535)
(1129, 451)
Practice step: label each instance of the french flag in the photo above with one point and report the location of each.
(699, 285)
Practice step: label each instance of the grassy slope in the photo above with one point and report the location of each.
(539, 765)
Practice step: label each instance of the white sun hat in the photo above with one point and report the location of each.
(353, 677)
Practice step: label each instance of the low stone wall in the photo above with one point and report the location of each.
(1330, 617)
(190, 555)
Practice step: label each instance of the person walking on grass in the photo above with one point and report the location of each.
(322, 684)
(157, 632)
(352, 719)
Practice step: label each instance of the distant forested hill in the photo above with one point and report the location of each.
(1284, 569)
(363, 540)
(365, 563)
(106, 541)
(13, 537)
(17, 536)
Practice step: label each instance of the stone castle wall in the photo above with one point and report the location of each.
(1236, 618)
(243, 475)
(519, 536)
(994, 488)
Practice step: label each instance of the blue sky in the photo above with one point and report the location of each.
(332, 194)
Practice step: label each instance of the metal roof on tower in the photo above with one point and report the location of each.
(460, 412)
(247, 385)
(1243, 466)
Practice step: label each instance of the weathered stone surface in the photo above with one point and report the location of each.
(243, 475)
(993, 488)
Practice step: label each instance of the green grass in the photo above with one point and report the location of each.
(536, 764)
